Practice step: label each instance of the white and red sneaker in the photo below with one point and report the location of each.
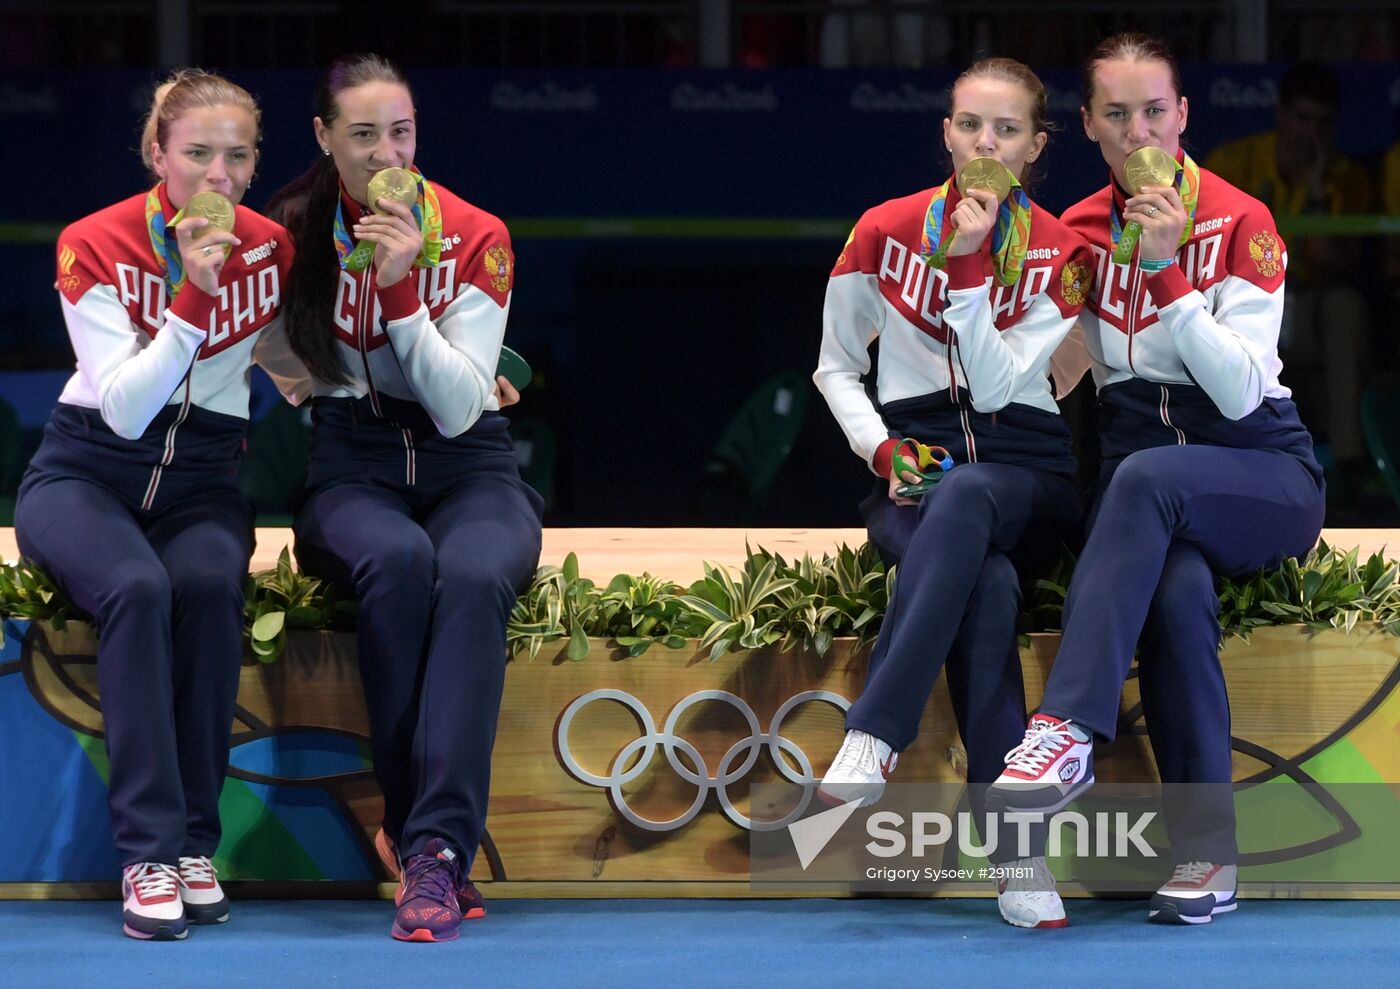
(1026, 895)
(1196, 892)
(205, 902)
(859, 771)
(1053, 764)
(151, 905)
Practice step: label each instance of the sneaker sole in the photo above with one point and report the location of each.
(476, 913)
(868, 797)
(164, 932)
(1044, 925)
(420, 934)
(1170, 913)
(1003, 800)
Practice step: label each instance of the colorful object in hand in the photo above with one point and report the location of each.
(357, 256)
(1010, 237)
(925, 457)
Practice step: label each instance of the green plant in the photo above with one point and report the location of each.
(1328, 589)
(639, 612)
(807, 603)
(841, 595)
(740, 614)
(557, 603)
(28, 592)
(282, 599)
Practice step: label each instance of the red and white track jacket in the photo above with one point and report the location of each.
(1001, 341)
(1211, 320)
(138, 352)
(435, 336)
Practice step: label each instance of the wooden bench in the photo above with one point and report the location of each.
(680, 554)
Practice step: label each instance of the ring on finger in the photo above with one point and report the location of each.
(208, 250)
(1152, 211)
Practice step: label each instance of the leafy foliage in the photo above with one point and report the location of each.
(769, 601)
(282, 599)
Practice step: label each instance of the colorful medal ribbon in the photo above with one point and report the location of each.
(1010, 238)
(1188, 184)
(356, 257)
(164, 243)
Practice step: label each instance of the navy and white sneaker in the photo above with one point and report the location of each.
(151, 905)
(205, 902)
(1196, 892)
(1053, 764)
(859, 771)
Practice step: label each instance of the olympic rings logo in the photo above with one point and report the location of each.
(749, 748)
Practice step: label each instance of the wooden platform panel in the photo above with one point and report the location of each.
(680, 554)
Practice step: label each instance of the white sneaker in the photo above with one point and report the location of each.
(1053, 764)
(1026, 895)
(151, 906)
(205, 902)
(1196, 892)
(859, 771)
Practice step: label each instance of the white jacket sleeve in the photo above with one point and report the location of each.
(851, 319)
(131, 375)
(1229, 350)
(450, 362)
(1001, 365)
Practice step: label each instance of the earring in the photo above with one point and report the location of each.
(326, 152)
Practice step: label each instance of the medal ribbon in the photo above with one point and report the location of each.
(1011, 236)
(164, 244)
(1188, 184)
(427, 211)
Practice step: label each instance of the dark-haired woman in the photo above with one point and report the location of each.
(414, 500)
(1206, 470)
(970, 297)
(132, 503)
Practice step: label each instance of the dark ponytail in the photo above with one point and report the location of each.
(306, 207)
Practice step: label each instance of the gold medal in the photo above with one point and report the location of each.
(396, 184)
(214, 208)
(988, 174)
(1149, 166)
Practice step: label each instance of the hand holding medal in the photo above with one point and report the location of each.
(392, 228)
(204, 231)
(984, 184)
(1146, 168)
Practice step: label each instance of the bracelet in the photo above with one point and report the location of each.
(1154, 266)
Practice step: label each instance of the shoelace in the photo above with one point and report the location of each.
(196, 870)
(1191, 872)
(1038, 747)
(858, 756)
(153, 879)
(430, 876)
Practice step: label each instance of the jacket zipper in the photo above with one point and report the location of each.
(169, 454)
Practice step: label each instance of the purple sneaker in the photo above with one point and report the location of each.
(427, 896)
(470, 900)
